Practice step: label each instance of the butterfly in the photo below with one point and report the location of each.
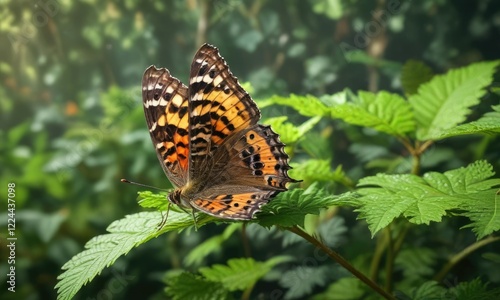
(208, 142)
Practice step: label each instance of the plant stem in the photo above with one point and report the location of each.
(246, 244)
(389, 262)
(462, 254)
(377, 256)
(340, 260)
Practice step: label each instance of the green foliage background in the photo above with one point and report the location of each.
(343, 82)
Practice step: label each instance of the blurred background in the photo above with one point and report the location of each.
(72, 122)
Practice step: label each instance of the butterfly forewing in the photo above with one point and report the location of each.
(219, 106)
(165, 101)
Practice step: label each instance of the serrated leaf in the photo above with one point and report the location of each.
(289, 209)
(413, 74)
(474, 290)
(288, 132)
(125, 234)
(343, 289)
(191, 286)
(484, 212)
(332, 231)
(444, 101)
(489, 123)
(308, 105)
(416, 264)
(301, 280)
(210, 245)
(148, 199)
(319, 170)
(424, 199)
(384, 112)
(241, 273)
(428, 290)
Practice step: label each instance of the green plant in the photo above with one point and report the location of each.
(435, 108)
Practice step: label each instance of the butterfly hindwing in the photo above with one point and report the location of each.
(234, 206)
(165, 101)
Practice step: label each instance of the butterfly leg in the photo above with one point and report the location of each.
(163, 218)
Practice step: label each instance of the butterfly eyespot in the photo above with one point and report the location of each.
(156, 96)
(236, 204)
(251, 136)
(167, 96)
(211, 73)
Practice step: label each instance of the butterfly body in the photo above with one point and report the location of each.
(208, 141)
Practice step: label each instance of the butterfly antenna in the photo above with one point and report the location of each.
(143, 185)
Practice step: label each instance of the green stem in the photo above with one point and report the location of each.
(389, 262)
(462, 254)
(377, 256)
(415, 165)
(340, 260)
(246, 243)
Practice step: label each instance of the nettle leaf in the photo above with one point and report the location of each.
(489, 123)
(347, 288)
(383, 111)
(289, 133)
(444, 101)
(474, 289)
(484, 212)
(416, 264)
(308, 105)
(428, 198)
(125, 234)
(289, 209)
(301, 280)
(413, 74)
(428, 290)
(190, 286)
(211, 245)
(148, 199)
(314, 170)
(241, 273)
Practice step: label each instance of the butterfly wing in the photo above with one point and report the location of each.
(241, 164)
(165, 101)
(218, 108)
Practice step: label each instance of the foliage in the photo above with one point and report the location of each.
(392, 126)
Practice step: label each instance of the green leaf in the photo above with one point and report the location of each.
(428, 198)
(301, 280)
(484, 212)
(125, 234)
(416, 263)
(289, 209)
(474, 289)
(314, 170)
(444, 102)
(308, 105)
(428, 290)
(487, 124)
(384, 111)
(241, 273)
(413, 74)
(191, 286)
(210, 245)
(343, 289)
(148, 199)
(288, 132)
